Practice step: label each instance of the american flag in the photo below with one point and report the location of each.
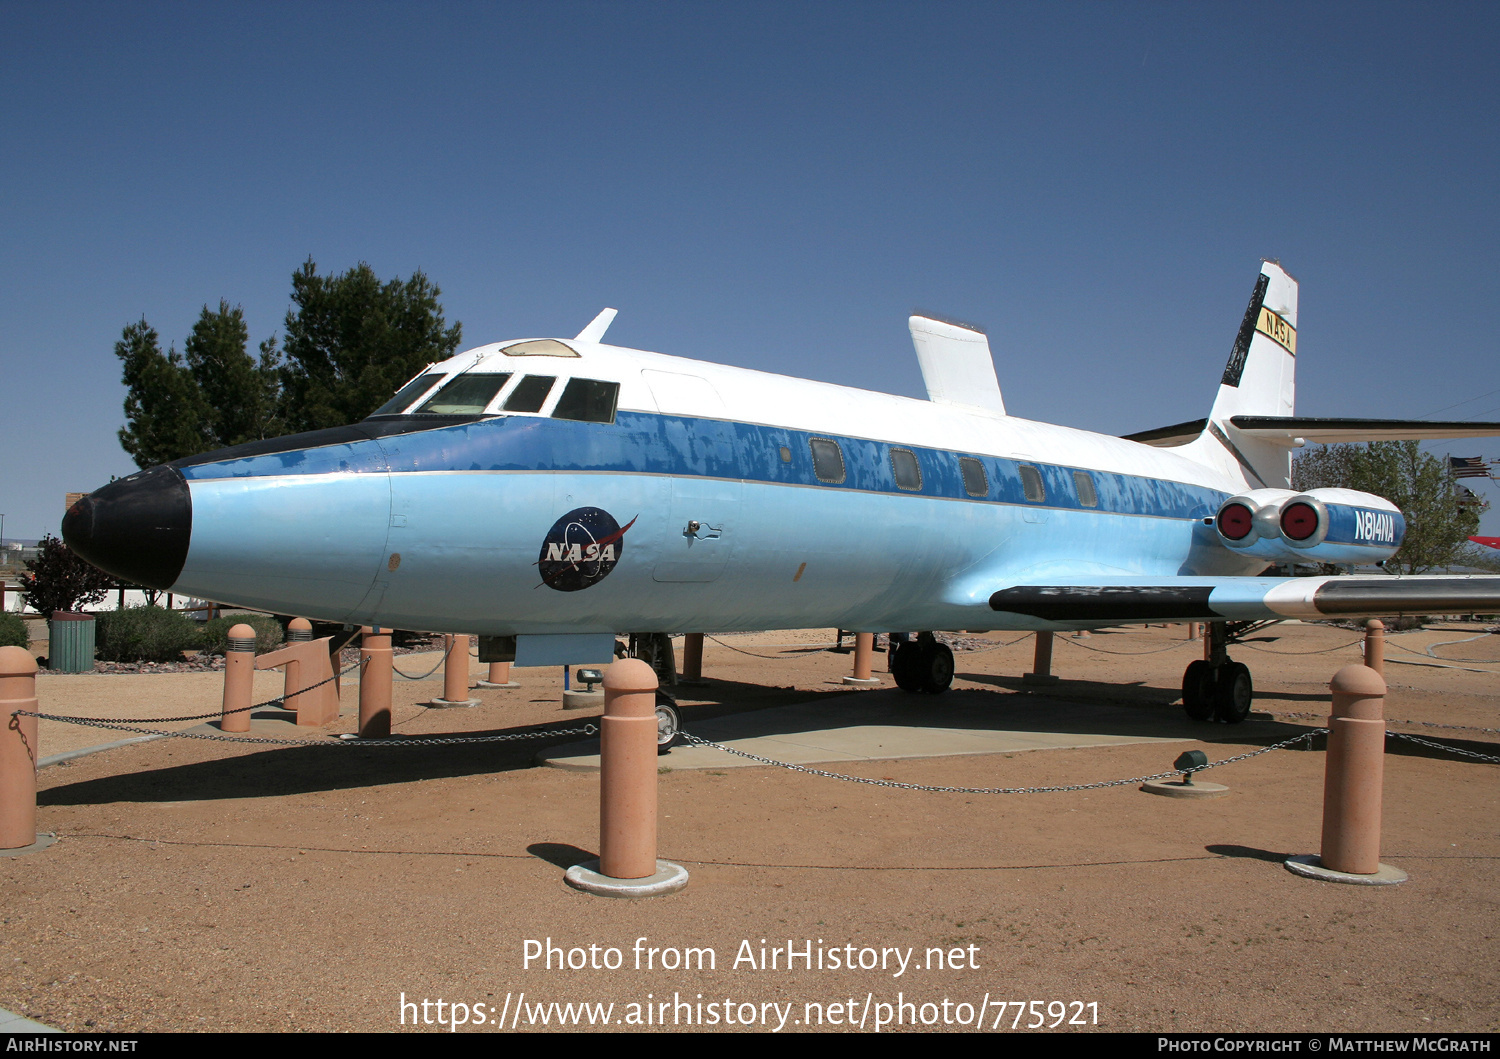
(1472, 467)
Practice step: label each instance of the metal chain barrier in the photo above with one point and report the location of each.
(338, 740)
(1423, 724)
(1439, 746)
(1427, 652)
(1107, 651)
(424, 676)
(752, 654)
(108, 722)
(1305, 736)
(1323, 651)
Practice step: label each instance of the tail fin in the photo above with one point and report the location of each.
(1259, 380)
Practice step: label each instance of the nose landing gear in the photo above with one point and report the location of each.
(925, 665)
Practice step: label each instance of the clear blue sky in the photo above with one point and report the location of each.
(774, 185)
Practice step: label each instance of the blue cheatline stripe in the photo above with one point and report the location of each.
(684, 447)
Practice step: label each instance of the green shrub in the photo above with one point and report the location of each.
(13, 631)
(268, 632)
(145, 634)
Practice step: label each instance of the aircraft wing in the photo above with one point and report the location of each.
(1122, 600)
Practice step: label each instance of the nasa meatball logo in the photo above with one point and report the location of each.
(581, 549)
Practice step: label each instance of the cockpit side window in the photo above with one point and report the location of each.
(408, 393)
(530, 394)
(588, 401)
(466, 394)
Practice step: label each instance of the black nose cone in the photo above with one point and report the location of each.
(136, 528)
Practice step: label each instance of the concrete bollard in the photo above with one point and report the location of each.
(497, 677)
(299, 630)
(1192, 631)
(692, 658)
(864, 652)
(239, 679)
(455, 673)
(1375, 645)
(376, 674)
(627, 771)
(308, 688)
(456, 669)
(1354, 773)
(627, 864)
(1041, 666)
(18, 749)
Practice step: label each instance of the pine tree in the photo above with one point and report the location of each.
(164, 409)
(351, 341)
(240, 397)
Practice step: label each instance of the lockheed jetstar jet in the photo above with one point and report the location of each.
(548, 494)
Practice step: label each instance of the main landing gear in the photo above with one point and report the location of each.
(925, 665)
(1216, 688)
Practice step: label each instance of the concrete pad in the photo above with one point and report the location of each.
(1178, 789)
(10, 1022)
(880, 725)
(1310, 866)
(668, 879)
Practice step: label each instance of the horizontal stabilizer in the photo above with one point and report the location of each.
(1287, 430)
(1330, 431)
(956, 364)
(1170, 437)
(1125, 600)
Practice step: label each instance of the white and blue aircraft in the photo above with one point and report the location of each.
(548, 494)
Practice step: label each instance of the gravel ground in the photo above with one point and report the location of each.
(204, 885)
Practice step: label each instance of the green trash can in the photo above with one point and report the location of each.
(71, 646)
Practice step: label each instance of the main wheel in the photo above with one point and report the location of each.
(1198, 686)
(668, 725)
(937, 669)
(906, 667)
(1233, 694)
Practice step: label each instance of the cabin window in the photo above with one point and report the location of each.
(408, 393)
(540, 347)
(1031, 483)
(908, 473)
(828, 460)
(588, 401)
(466, 394)
(530, 394)
(1084, 483)
(786, 454)
(976, 482)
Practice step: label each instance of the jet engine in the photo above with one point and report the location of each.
(1318, 526)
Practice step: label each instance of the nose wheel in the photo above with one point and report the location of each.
(925, 665)
(668, 724)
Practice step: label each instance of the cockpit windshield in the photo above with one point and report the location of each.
(467, 394)
(408, 393)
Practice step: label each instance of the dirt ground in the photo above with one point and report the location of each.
(225, 886)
